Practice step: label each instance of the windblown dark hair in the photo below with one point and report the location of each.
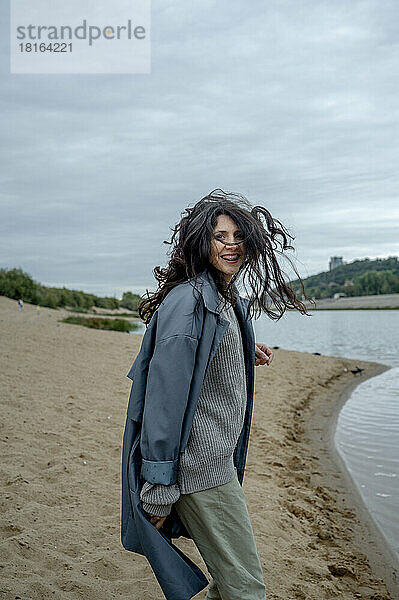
(263, 243)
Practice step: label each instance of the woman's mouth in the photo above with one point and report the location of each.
(231, 258)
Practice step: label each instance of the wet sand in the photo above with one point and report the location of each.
(64, 393)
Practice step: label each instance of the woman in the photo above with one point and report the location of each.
(221, 238)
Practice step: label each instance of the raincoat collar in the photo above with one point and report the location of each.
(209, 290)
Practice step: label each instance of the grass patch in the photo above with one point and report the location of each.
(110, 314)
(131, 314)
(99, 323)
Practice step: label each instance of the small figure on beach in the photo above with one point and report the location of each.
(38, 310)
(189, 414)
(357, 370)
(20, 304)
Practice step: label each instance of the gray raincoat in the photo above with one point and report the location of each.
(167, 376)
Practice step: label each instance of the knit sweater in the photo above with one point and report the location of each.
(207, 459)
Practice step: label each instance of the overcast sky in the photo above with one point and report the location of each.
(294, 104)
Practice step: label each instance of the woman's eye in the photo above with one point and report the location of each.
(220, 236)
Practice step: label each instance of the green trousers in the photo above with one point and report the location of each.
(218, 521)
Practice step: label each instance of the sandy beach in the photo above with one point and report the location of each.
(64, 393)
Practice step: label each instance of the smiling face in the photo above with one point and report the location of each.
(226, 231)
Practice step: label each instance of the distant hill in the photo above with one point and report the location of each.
(15, 283)
(359, 278)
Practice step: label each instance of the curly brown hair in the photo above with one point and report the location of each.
(263, 242)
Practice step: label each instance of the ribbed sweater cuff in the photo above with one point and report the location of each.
(158, 499)
(160, 510)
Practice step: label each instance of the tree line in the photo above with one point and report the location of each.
(16, 283)
(359, 278)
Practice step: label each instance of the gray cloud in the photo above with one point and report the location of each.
(292, 104)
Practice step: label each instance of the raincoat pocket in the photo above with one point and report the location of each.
(134, 465)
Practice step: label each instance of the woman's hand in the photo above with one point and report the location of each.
(157, 521)
(263, 355)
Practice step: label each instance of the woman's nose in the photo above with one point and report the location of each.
(232, 244)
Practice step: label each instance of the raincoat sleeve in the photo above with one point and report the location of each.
(168, 385)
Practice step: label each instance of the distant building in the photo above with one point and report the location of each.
(332, 283)
(339, 295)
(335, 261)
(348, 283)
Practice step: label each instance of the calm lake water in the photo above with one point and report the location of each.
(367, 432)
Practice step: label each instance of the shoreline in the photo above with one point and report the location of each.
(353, 308)
(320, 426)
(64, 400)
(317, 526)
(372, 302)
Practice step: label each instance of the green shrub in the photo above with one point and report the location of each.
(98, 323)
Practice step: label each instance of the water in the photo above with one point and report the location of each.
(367, 431)
(140, 328)
(367, 437)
